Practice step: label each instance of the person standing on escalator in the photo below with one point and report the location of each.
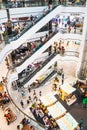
(50, 4)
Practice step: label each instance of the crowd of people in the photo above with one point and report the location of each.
(4, 99)
(31, 99)
(42, 115)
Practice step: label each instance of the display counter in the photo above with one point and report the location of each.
(48, 99)
(56, 110)
(67, 95)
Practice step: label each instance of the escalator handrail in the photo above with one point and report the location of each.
(37, 48)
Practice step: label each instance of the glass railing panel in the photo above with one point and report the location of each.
(74, 3)
(71, 53)
(19, 4)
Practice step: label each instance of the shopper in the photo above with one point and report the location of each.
(22, 104)
(62, 81)
(81, 123)
(34, 93)
(40, 93)
(62, 75)
(29, 98)
(29, 89)
(28, 102)
(50, 2)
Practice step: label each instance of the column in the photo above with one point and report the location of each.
(82, 63)
(8, 14)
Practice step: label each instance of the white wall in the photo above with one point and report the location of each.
(25, 12)
(3, 16)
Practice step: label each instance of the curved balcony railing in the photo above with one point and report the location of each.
(34, 3)
(20, 4)
(71, 53)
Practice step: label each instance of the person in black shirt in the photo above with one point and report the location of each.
(50, 4)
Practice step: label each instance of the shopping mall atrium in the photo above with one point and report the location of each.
(43, 65)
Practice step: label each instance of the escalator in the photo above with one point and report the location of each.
(21, 38)
(39, 50)
(47, 78)
(32, 50)
(40, 70)
(29, 75)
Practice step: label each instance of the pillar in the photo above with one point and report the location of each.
(82, 63)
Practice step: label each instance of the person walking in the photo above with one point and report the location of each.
(22, 104)
(62, 77)
(40, 93)
(29, 89)
(81, 123)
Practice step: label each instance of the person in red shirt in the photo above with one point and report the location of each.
(4, 94)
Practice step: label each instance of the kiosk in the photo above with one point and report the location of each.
(48, 100)
(67, 93)
(67, 122)
(57, 110)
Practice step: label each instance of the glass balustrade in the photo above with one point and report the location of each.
(34, 3)
(71, 53)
